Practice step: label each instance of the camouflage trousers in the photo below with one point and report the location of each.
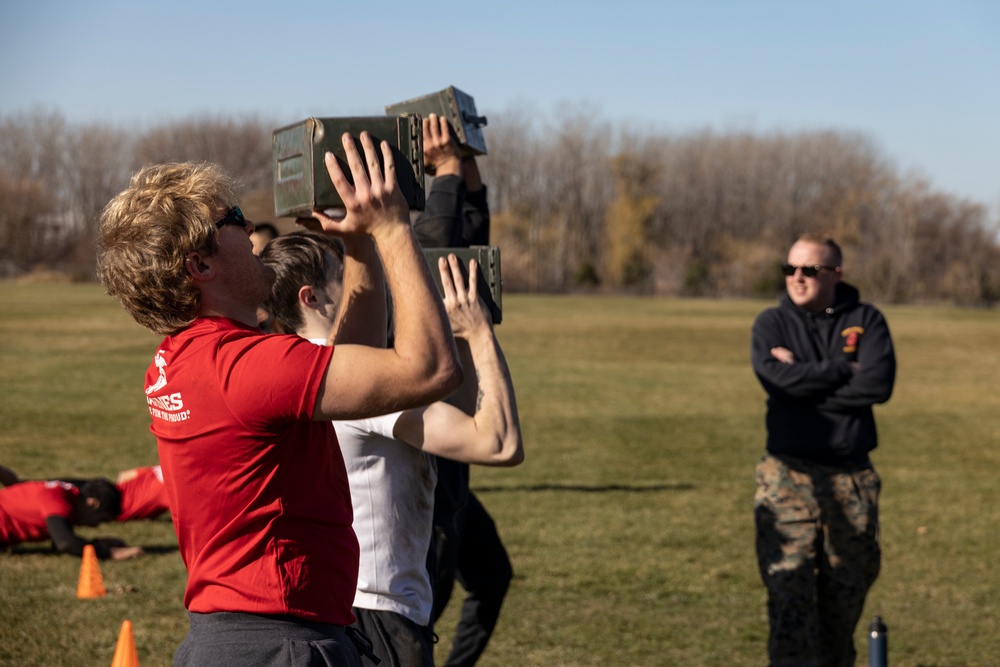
(818, 554)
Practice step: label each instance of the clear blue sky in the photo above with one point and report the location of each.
(922, 79)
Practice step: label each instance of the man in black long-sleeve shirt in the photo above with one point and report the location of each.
(824, 358)
(466, 545)
(456, 214)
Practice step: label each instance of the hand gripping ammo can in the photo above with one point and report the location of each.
(301, 180)
(489, 282)
(460, 110)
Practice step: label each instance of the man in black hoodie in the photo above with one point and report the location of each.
(824, 358)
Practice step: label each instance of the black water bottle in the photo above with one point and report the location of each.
(878, 643)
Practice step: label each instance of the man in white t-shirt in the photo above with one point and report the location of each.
(389, 458)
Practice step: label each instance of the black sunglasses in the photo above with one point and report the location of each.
(807, 271)
(234, 216)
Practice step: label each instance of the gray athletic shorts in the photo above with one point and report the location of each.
(230, 639)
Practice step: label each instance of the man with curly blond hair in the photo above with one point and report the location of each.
(255, 481)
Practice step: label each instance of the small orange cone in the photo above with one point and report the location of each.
(91, 584)
(125, 653)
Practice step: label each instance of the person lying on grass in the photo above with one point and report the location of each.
(36, 511)
(143, 495)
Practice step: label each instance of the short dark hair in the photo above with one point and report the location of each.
(824, 240)
(266, 228)
(106, 493)
(298, 258)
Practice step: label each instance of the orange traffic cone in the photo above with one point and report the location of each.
(125, 653)
(91, 585)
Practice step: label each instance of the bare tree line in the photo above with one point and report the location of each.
(55, 178)
(577, 203)
(705, 213)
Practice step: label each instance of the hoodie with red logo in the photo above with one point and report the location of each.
(819, 408)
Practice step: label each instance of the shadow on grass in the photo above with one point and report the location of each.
(160, 548)
(585, 488)
(29, 550)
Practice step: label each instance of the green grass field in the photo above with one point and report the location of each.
(630, 523)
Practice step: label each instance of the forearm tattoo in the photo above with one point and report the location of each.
(479, 393)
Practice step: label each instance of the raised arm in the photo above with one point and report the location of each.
(362, 318)
(423, 365)
(488, 431)
(440, 224)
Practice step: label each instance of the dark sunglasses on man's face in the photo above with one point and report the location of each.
(807, 271)
(234, 216)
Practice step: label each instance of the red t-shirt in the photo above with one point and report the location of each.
(25, 506)
(258, 491)
(143, 496)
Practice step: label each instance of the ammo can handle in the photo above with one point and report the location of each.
(474, 121)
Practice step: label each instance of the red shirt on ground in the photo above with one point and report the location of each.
(258, 492)
(25, 506)
(144, 496)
